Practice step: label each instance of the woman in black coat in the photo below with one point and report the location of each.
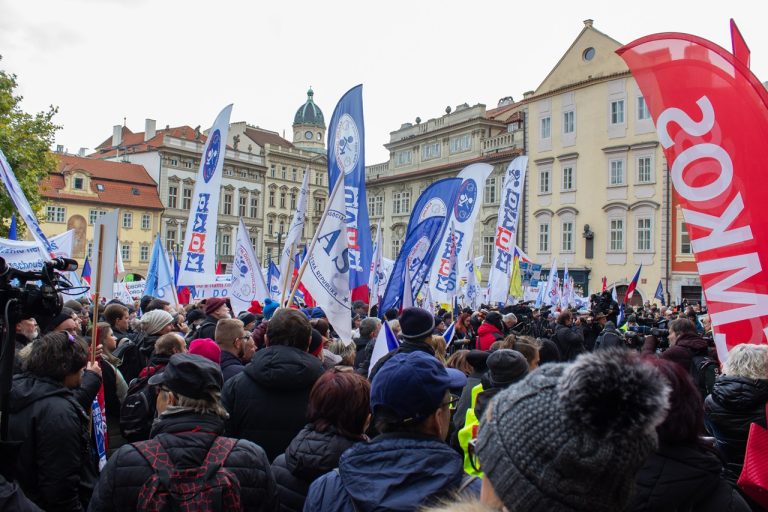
(684, 473)
(51, 425)
(339, 406)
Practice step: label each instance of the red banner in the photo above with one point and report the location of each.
(711, 116)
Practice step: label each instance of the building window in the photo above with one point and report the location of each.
(371, 204)
(545, 131)
(544, 237)
(253, 242)
(488, 247)
(55, 214)
(173, 193)
(93, 216)
(272, 171)
(644, 234)
(225, 243)
(616, 173)
(642, 109)
(569, 122)
(283, 172)
(254, 207)
(144, 253)
(403, 158)
(544, 181)
(282, 199)
(396, 246)
(644, 169)
(186, 198)
(281, 227)
(685, 239)
(170, 239)
(227, 204)
(272, 198)
(125, 252)
(490, 190)
(293, 174)
(242, 210)
(318, 178)
(375, 206)
(319, 206)
(174, 161)
(270, 227)
(127, 220)
(78, 183)
(430, 151)
(617, 112)
(567, 237)
(567, 182)
(146, 221)
(461, 143)
(616, 235)
(293, 200)
(401, 203)
(89, 252)
(187, 164)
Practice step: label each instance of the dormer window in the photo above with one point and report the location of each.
(78, 183)
(100, 187)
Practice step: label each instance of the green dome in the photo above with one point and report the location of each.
(309, 113)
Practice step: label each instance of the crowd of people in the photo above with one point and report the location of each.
(515, 408)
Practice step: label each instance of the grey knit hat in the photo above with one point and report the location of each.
(572, 436)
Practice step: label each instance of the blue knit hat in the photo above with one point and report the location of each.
(269, 308)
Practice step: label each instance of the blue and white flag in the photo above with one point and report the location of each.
(506, 231)
(552, 294)
(386, 342)
(273, 281)
(293, 236)
(326, 276)
(22, 205)
(247, 279)
(377, 272)
(160, 276)
(614, 297)
(463, 214)
(436, 201)
(660, 293)
(565, 299)
(198, 260)
(449, 332)
(472, 288)
(408, 300)
(346, 156)
(99, 432)
(13, 230)
(540, 297)
(448, 268)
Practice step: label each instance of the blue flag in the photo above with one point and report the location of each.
(346, 154)
(160, 282)
(273, 281)
(175, 270)
(660, 293)
(12, 230)
(436, 200)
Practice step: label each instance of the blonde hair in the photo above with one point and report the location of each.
(437, 343)
(747, 360)
(346, 352)
(209, 404)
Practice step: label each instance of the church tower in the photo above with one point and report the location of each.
(309, 126)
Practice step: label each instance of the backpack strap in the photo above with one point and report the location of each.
(153, 451)
(217, 454)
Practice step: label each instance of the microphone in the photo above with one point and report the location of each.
(61, 264)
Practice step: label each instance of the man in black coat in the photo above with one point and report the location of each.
(609, 337)
(215, 310)
(569, 341)
(191, 419)
(416, 325)
(267, 401)
(231, 338)
(369, 330)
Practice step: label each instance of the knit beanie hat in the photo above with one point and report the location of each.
(571, 437)
(207, 348)
(506, 366)
(213, 304)
(74, 306)
(155, 320)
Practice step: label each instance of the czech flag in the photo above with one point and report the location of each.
(86, 274)
(632, 285)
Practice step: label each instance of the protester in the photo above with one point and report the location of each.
(267, 401)
(568, 338)
(347, 352)
(458, 360)
(691, 351)
(115, 387)
(338, 412)
(187, 433)
(232, 338)
(369, 330)
(417, 325)
(609, 336)
(135, 354)
(207, 348)
(478, 360)
(408, 464)
(215, 310)
(491, 330)
(118, 318)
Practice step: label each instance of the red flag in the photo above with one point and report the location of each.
(711, 115)
(605, 283)
(219, 271)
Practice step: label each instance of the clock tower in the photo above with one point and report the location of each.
(309, 126)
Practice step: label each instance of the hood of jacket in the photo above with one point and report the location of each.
(284, 367)
(28, 388)
(740, 393)
(487, 328)
(693, 342)
(311, 454)
(397, 471)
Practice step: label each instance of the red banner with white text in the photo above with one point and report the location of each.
(711, 116)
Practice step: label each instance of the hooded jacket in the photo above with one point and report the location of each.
(186, 436)
(52, 427)
(735, 403)
(487, 335)
(395, 472)
(267, 401)
(310, 455)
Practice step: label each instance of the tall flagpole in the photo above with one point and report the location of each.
(287, 279)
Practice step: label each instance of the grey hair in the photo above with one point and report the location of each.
(369, 325)
(747, 360)
(210, 404)
(509, 316)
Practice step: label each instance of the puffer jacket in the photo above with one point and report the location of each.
(569, 341)
(684, 477)
(395, 471)
(310, 455)
(487, 335)
(267, 401)
(735, 403)
(186, 436)
(53, 459)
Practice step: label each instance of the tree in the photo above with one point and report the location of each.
(26, 140)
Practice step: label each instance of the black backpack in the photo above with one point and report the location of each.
(193, 334)
(131, 357)
(138, 410)
(704, 371)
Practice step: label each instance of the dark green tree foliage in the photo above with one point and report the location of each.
(26, 140)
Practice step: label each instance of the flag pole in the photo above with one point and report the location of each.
(370, 298)
(339, 184)
(97, 300)
(287, 280)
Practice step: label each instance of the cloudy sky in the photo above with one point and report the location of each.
(179, 62)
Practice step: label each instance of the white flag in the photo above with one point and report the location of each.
(377, 273)
(293, 237)
(551, 293)
(386, 271)
(198, 261)
(407, 289)
(247, 277)
(472, 288)
(506, 231)
(104, 264)
(327, 273)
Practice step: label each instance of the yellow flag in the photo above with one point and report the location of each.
(516, 283)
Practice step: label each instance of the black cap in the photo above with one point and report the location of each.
(506, 366)
(189, 375)
(416, 323)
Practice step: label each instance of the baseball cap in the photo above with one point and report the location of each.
(189, 375)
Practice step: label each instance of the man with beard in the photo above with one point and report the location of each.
(231, 338)
(26, 333)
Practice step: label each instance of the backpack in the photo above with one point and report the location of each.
(132, 360)
(138, 410)
(205, 488)
(704, 371)
(192, 334)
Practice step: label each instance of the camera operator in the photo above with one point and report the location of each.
(567, 337)
(609, 337)
(26, 332)
(590, 329)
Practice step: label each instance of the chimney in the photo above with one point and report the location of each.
(117, 135)
(81, 152)
(59, 148)
(149, 129)
(588, 23)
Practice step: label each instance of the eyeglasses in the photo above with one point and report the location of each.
(246, 337)
(451, 403)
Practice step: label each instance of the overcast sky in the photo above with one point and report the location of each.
(179, 62)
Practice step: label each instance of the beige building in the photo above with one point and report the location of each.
(595, 173)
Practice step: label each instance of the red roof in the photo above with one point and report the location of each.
(262, 137)
(122, 184)
(135, 143)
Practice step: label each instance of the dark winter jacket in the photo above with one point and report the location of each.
(12, 498)
(406, 347)
(361, 344)
(569, 342)
(135, 355)
(186, 436)
(52, 427)
(609, 337)
(207, 328)
(682, 478)
(393, 472)
(267, 402)
(230, 365)
(310, 455)
(487, 335)
(735, 403)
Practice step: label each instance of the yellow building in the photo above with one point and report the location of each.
(82, 189)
